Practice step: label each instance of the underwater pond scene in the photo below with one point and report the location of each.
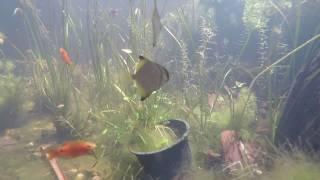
(160, 89)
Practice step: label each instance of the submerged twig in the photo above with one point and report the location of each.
(56, 169)
(54, 164)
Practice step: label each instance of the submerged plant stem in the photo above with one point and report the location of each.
(283, 58)
(274, 64)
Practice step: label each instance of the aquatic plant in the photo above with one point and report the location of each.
(230, 115)
(115, 102)
(100, 96)
(36, 30)
(293, 166)
(257, 14)
(11, 98)
(199, 80)
(53, 79)
(62, 97)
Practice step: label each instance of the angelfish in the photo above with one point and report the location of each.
(149, 77)
(156, 24)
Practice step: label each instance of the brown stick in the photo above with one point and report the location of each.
(54, 164)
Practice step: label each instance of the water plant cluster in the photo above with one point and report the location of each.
(11, 95)
(228, 71)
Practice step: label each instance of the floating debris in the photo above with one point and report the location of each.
(128, 51)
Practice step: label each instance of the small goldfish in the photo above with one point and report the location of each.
(71, 149)
(65, 56)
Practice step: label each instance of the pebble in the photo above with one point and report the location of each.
(80, 176)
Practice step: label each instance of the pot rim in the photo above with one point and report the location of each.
(182, 138)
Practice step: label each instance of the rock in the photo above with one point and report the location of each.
(80, 176)
(30, 144)
(239, 155)
(230, 141)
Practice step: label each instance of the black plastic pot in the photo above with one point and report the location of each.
(169, 162)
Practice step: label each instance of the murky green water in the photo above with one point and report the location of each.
(108, 71)
(22, 160)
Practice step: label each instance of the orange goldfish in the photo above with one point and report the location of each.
(71, 149)
(65, 56)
